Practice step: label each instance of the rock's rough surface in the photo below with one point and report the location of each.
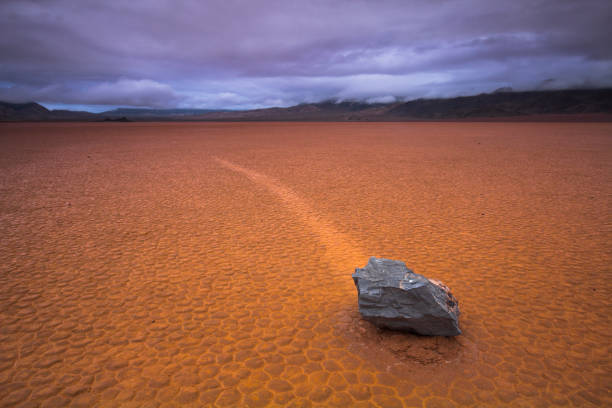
(392, 296)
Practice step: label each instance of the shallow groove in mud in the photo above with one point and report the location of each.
(340, 247)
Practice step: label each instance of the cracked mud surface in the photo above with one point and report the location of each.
(208, 264)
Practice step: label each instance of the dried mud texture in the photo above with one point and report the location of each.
(210, 264)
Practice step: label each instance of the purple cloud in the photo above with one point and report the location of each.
(144, 92)
(243, 54)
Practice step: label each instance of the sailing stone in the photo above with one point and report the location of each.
(392, 296)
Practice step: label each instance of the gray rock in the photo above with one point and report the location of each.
(392, 296)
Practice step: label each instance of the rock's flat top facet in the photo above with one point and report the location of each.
(392, 296)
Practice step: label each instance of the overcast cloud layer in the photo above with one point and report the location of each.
(247, 54)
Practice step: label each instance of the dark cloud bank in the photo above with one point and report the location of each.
(247, 54)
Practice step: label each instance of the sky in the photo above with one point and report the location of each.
(97, 55)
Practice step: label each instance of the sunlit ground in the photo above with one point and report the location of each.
(209, 264)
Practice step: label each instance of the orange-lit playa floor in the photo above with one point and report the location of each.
(196, 264)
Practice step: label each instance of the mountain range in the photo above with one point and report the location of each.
(505, 104)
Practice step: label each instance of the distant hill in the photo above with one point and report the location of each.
(503, 104)
(28, 111)
(32, 111)
(500, 104)
(322, 111)
(157, 113)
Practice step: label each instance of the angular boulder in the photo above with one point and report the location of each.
(392, 296)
